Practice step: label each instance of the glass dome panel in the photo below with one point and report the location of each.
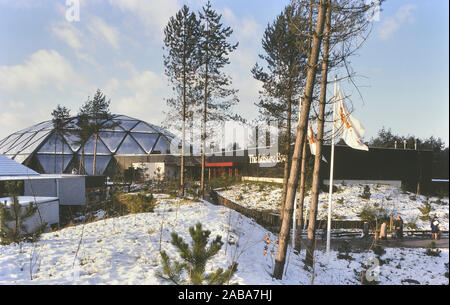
(142, 127)
(35, 142)
(20, 143)
(54, 143)
(161, 147)
(101, 162)
(73, 141)
(128, 124)
(112, 139)
(146, 140)
(10, 142)
(90, 146)
(130, 147)
(48, 162)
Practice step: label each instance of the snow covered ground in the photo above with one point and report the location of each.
(125, 250)
(347, 202)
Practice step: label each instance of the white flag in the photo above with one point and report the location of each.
(312, 140)
(349, 128)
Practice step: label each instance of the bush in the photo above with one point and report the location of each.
(425, 210)
(223, 183)
(373, 215)
(137, 203)
(412, 225)
(344, 251)
(431, 250)
(378, 250)
(366, 193)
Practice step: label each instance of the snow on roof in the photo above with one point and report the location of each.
(9, 167)
(26, 200)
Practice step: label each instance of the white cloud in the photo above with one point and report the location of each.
(391, 24)
(68, 34)
(249, 33)
(16, 105)
(142, 96)
(243, 28)
(100, 29)
(154, 16)
(42, 68)
(11, 122)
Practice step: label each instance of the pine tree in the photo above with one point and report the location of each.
(15, 214)
(82, 134)
(61, 122)
(195, 259)
(181, 36)
(96, 116)
(218, 98)
(285, 58)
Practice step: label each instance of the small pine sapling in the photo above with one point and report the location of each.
(15, 214)
(195, 260)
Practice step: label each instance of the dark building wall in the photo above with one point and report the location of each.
(409, 166)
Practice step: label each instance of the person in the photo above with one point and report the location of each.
(365, 230)
(398, 224)
(435, 228)
(383, 231)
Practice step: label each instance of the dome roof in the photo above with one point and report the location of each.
(129, 137)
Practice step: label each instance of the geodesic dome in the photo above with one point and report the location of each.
(131, 137)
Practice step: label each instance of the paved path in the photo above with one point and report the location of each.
(361, 244)
(416, 243)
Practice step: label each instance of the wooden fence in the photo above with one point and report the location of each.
(271, 221)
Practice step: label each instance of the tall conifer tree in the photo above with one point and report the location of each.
(181, 37)
(218, 97)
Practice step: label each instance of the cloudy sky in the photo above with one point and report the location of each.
(116, 45)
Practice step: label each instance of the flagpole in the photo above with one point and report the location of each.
(294, 222)
(331, 172)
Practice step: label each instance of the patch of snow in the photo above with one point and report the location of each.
(347, 202)
(125, 250)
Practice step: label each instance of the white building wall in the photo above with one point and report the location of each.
(152, 169)
(48, 212)
(70, 190)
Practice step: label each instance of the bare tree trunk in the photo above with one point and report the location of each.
(310, 244)
(95, 154)
(205, 109)
(81, 164)
(62, 156)
(287, 163)
(183, 135)
(301, 199)
(298, 149)
(54, 169)
(301, 195)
